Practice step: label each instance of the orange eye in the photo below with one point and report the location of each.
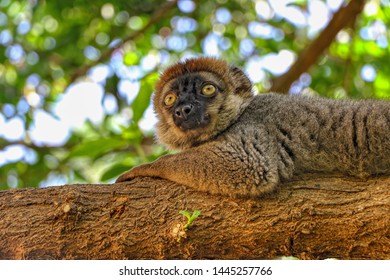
(209, 89)
(170, 99)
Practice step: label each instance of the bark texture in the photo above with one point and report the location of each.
(310, 218)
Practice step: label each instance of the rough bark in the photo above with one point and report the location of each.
(308, 218)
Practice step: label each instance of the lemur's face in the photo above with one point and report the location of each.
(188, 101)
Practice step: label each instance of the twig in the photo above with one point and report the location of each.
(309, 56)
(158, 15)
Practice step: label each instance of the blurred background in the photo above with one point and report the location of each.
(76, 76)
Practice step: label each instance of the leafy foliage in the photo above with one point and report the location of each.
(44, 45)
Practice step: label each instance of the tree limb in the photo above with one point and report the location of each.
(310, 218)
(160, 13)
(344, 16)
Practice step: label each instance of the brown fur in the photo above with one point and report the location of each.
(212, 69)
(252, 143)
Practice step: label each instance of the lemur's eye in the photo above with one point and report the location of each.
(209, 90)
(170, 99)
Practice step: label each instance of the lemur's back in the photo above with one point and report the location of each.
(326, 135)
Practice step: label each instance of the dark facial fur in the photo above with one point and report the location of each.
(194, 117)
(190, 109)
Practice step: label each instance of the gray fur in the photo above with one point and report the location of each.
(269, 138)
(309, 134)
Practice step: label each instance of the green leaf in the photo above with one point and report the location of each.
(142, 101)
(94, 148)
(185, 213)
(190, 218)
(130, 58)
(114, 171)
(195, 215)
(382, 86)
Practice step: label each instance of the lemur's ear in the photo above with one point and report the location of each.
(243, 84)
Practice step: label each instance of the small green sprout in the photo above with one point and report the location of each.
(190, 218)
(179, 230)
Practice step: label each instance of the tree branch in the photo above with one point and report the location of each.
(310, 55)
(160, 13)
(310, 218)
